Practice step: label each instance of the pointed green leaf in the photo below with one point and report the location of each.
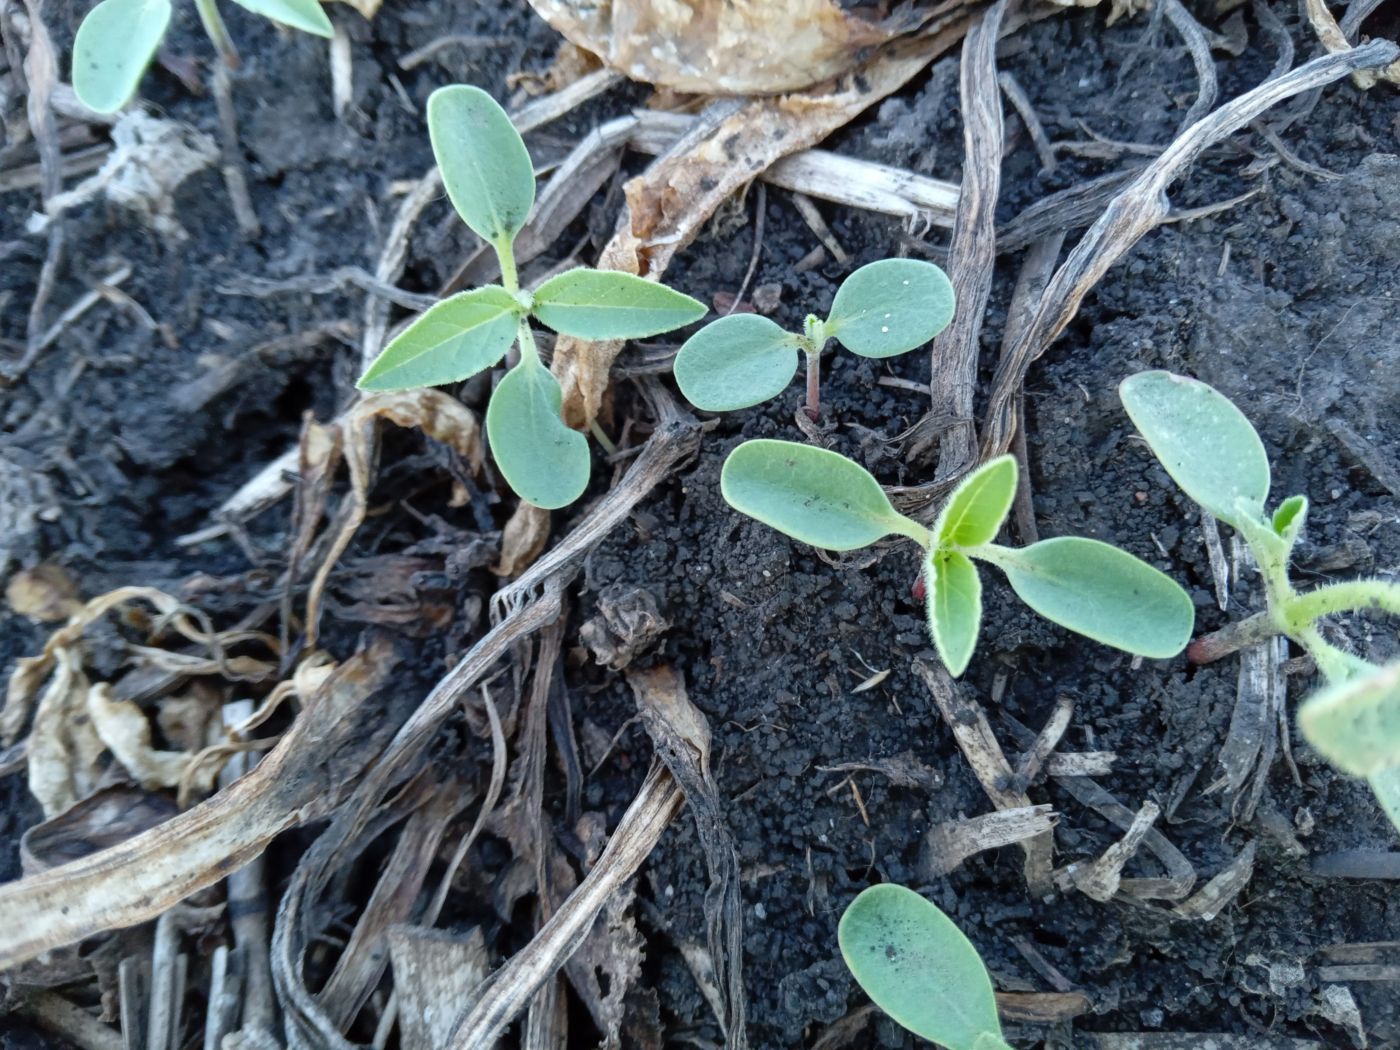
(735, 362)
(812, 495)
(450, 341)
(1385, 785)
(1205, 443)
(306, 15)
(977, 507)
(1102, 593)
(890, 307)
(954, 607)
(543, 461)
(114, 45)
(1289, 519)
(917, 966)
(484, 164)
(1355, 724)
(605, 304)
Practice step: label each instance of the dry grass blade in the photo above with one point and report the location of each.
(1101, 877)
(1335, 41)
(432, 967)
(1136, 211)
(1210, 900)
(947, 845)
(828, 176)
(510, 989)
(681, 737)
(300, 780)
(972, 256)
(979, 746)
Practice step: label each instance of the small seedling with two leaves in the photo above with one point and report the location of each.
(917, 966)
(491, 183)
(1213, 453)
(884, 309)
(118, 39)
(824, 499)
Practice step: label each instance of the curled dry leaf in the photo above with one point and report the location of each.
(440, 417)
(723, 47)
(44, 593)
(522, 540)
(32, 671)
(628, 621)
(125, 730)
(65, 752)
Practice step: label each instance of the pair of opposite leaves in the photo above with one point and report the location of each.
(491, 183)
(1215, 455)
(118, 39)
(824, 499)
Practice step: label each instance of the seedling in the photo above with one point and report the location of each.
(1213, 453)
(1092, 588)
(491, 183)
(917, 966)
(883, 309)
(118, 39)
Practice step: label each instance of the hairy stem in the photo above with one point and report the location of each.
(217, 32)
(1304, 609)
(1336, 664)
(510, 279)
(528, 349)
(814, 385)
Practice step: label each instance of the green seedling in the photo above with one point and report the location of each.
(491, 183)
(883, 309)
(1099, 591)
(917, 966)
(118, 39)
(1213, 453)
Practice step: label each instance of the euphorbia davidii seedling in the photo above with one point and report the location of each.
(118, 39)
(1092, 588)
(1210, 449)
(489, 179)
(917, 966)
(883, 309)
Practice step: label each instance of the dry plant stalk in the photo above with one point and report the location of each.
(300, 780)
(1136, 211)
(979, 746)
(510, 989)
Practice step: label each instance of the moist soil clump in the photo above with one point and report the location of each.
(149, 411)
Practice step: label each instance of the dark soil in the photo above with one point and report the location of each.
(1289, 303)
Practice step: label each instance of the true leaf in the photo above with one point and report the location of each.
(1205, 443)
(917, 966)
(1102, 593)
(890, 307)
(112, 49)
(452, 340)
(974, 512)
(544, 462)
(812, 495)
(735, 362)
(1355, 724)
(483, 161)
(306, 15)
(605, 304)
(1290, 517)
(1385, 784)
(954, 606)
